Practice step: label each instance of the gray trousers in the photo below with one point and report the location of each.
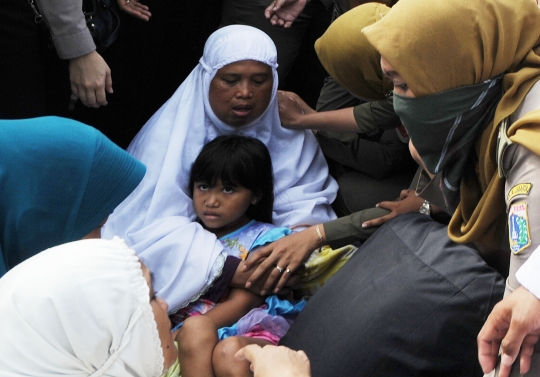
(409, 302)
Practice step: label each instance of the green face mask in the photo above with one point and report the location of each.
(444, 127)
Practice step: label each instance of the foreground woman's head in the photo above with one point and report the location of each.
(60, 179)
(240, 74)
(83, 308)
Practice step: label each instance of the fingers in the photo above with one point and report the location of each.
(285, 277)
(135, 9)
(248, 352)
(255, 258)
(404, 193)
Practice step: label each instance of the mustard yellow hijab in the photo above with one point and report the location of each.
(441, 45)
(349, 58)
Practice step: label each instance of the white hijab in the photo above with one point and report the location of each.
(157, 218)
(79, 309)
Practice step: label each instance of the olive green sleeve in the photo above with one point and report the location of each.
(376, 115)
(348, 229)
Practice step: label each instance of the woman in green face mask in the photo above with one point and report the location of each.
(466, 78)
(85, 308)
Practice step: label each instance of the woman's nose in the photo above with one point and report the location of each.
(244, 90)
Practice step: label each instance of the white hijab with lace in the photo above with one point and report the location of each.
(157, 218)
(79, 309)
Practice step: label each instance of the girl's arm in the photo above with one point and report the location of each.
(239, 303)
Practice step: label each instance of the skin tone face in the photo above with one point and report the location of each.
(401, 88)
(160, 308)
(241, 91)
(222, 209)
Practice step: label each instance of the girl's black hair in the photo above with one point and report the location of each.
(238, 161)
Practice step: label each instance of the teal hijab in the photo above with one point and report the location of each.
(59, 179)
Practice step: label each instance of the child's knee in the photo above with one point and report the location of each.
(228, 347)
(223, 359)
(195, 332)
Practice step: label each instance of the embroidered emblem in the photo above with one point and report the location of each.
(518, 224)
(519, 189)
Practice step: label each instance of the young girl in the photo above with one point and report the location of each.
(232, 190)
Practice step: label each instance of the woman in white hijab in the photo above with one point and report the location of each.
(157, 219)
(84, 308)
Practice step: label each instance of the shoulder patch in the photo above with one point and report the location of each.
(519, 189)
(518, 226)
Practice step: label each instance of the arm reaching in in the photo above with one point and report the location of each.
(294, 113)
(513, 324)
(284, 12)
(90, 79)
(408, 202)
(273, 361)
(135, 8)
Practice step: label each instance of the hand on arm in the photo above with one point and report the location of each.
(513, 324)
(294, 113)
(408, 202)
(272, 361)
(135, 8)
(90, 78)
(284, 12)
(289, 253)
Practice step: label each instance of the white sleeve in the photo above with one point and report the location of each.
(529, 274)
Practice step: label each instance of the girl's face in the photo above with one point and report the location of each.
(241, 91)
(222, 209)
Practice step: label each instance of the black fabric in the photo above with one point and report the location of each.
(408, 303)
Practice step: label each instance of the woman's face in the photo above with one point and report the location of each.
(241, 91)
(160, 308)
(400, 86)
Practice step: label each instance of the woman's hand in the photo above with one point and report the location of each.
(135, 9)
(287, 253)
(284, 12)
(273, 361)
(291, 110)
(408, 202)
(90, 79)
(514, 327)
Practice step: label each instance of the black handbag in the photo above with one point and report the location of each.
(102, 18)
(103, 21)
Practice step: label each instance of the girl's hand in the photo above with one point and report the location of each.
(408, 202)
(287, 253)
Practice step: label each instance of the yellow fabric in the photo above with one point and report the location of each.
(174, 370)
(349, 58)
(441, 45)
(321, 266)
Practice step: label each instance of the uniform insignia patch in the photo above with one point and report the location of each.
(518, 224)
(519, 189)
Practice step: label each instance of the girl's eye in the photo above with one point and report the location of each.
(228, 190)
(202, 187)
